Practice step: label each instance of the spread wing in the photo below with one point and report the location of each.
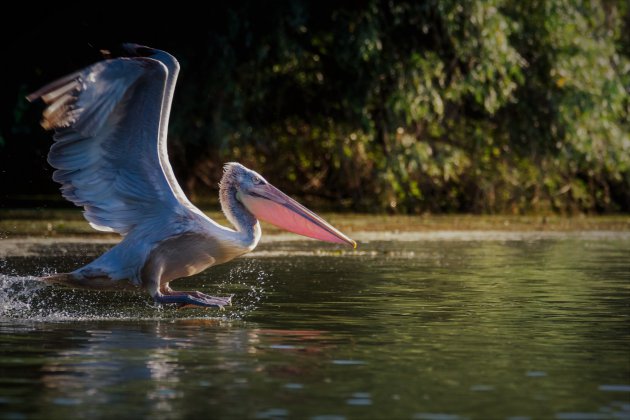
(107, 145)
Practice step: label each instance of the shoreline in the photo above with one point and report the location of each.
(62, 223)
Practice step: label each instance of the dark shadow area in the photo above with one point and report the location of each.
(365, 105)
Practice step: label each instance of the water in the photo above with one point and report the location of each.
(411, 326)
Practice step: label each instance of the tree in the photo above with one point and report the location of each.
(483, 106)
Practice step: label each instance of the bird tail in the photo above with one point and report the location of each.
(81, 282)
(64, 279)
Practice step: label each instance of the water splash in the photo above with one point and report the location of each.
(28, 298)
(252, 288)
(17, 294)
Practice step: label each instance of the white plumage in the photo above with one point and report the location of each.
(110, 155)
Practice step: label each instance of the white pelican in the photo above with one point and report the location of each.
(111, 122)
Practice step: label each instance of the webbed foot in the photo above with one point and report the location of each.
(192, 299)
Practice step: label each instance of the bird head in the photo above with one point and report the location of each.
(271, 205)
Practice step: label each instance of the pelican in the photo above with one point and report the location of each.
(110, 123)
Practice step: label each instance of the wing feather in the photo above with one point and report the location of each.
(106, 119)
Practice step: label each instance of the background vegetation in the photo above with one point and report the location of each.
(481, 106)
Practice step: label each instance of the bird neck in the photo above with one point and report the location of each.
(246, 224)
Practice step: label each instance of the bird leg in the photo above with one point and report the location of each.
(190, 299)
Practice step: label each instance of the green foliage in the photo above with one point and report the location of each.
(486, 106)
(412, 106)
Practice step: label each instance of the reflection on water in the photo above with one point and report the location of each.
(524, 327)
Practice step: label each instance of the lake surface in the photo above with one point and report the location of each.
(436, 326)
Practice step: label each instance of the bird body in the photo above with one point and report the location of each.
(110, 155)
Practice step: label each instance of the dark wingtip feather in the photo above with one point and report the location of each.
(60, 97)
(51, 87)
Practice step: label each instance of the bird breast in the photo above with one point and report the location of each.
(188, 254)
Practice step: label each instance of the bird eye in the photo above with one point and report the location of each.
(256, 180)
